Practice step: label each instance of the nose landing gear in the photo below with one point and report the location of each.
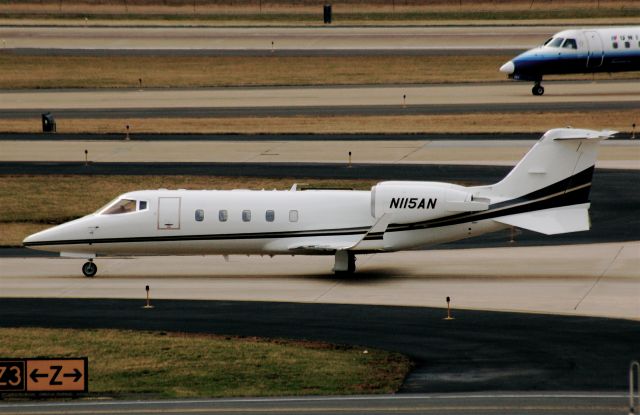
(89, 269)
(537, 89)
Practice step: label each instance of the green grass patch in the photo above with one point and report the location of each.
(177, 365)
(123, 71)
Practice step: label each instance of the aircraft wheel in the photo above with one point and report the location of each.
(89, 269)
(352, 263)
(537, 90)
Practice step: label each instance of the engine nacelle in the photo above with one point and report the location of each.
(410, 202)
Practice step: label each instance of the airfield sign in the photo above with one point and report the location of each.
(62, 375)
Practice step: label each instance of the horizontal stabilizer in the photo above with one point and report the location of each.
(551, 221)
(569, 134)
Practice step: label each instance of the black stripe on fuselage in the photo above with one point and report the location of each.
(210, 237)
(570, 191)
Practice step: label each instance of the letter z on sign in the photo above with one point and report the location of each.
(57, 375)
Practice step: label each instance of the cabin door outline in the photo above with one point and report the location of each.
(595, 53)
(169, 213)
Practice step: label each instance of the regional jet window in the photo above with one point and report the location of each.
(142, 205)
(570, 44)
(293, 216)
(223, 215)
(246, 216)
(199, 215)
(615, 45)
(627, 45)
(555, 43)
(121, 206)
(270, 215)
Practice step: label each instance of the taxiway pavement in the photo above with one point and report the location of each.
(624, 154)
(283, 38)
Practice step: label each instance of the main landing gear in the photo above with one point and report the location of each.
(89, 269)
(345, 263)
(537, 89)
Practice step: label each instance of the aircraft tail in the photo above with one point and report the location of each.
(548, 190)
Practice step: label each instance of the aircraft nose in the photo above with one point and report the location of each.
(41, 238)
(508, 68)
(33, 238)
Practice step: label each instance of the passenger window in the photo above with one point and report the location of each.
(223, 215)
(615, 45)
(270, 215)
(627, 45)
(121, 206)
(293, 216)
(570, 44)
(246, 216)
(199, 215)
(142, 205)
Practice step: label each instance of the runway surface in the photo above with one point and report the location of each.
(427, 99)
(459, 403)
(478, 351)
(283, 38)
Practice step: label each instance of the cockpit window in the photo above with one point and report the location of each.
(570, 44)
(547, 41)
(121, 206)
(555, 43)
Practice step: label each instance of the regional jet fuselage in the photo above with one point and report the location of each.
(547, 191)
(612, 49)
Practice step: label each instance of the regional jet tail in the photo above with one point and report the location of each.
(614, 49)
(547, 192)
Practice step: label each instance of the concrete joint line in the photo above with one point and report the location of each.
(604, 272)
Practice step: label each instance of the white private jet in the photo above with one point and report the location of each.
(608, 49)
(547, 192)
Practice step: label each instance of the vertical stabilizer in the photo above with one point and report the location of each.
(562, 158)
(548, 190)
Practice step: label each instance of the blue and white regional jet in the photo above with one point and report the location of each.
(547, 192)
(613, 49)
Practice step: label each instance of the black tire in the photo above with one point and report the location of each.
(537, 90)
(352, 263)
(89, 269)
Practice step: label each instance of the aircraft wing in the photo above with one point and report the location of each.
(376, 231)
(328, 247)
